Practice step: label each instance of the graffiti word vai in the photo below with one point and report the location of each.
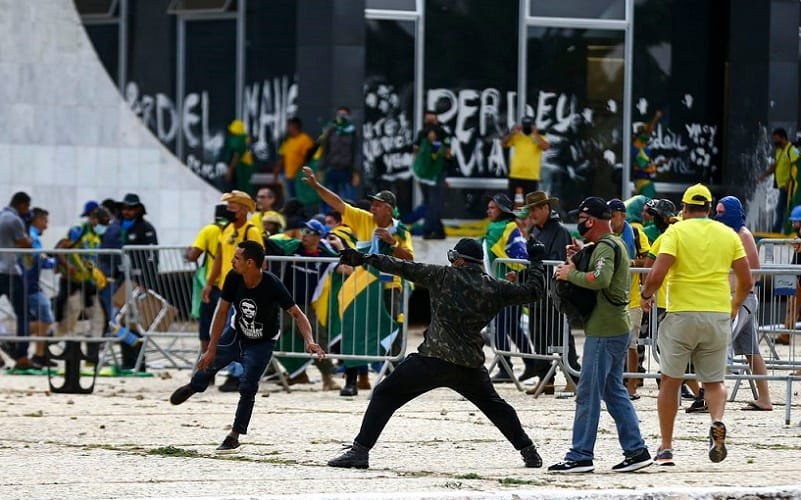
(266, 107)
(480, 118)
(387, 135)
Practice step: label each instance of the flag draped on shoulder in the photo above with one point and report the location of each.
(368, 329)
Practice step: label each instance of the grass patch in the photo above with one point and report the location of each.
(511, 481)
(172, 451)
(471, 475)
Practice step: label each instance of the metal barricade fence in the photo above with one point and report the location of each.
(163, 289)
(357, 315)
(60, 296)
(783, 363)
(537, 330)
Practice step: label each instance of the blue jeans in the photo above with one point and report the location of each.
(254, 358)
(602, 379)
(12, 286)
(340, 182)
(781, 205)
(434, 198)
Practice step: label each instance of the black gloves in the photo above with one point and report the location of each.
(351, 257)
(536, 250)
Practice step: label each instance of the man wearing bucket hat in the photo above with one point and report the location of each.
(546, 330)
(503, 240)
(463, 300)
(698, 253)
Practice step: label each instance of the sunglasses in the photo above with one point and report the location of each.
(309, 232)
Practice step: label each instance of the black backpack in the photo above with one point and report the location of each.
(576, 302)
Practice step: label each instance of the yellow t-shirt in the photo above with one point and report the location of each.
(363, 226)
(294, 151)
(642, 247)
(704, 250)
(786, 161)
(206, 241)
(526, 157)
(661, 294)
(230, 237)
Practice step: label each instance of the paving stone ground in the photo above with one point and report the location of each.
(126, 440)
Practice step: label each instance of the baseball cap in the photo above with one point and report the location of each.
(595, 207)
(316, 227)
(616, 205)
(88, 207)
(385, 197)
(697, 194)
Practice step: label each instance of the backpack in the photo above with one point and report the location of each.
(576, 302)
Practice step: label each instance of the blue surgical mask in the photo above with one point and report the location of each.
(100, 229)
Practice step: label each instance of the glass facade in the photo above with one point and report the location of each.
(473, 71)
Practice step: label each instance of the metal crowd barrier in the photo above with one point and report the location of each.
(357, 315)
(776, 284)
(62, 296)
(161, 292)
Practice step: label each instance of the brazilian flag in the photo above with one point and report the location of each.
(367, 327)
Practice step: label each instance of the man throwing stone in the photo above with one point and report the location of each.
(463, 300)
(249, 338)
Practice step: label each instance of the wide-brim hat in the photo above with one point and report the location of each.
(240, 197)
(538, 198)
(132, 200)
(503, 202)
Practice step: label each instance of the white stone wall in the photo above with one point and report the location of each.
(67, 136)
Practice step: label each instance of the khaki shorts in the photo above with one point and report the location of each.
(700, 337)
(636, 322)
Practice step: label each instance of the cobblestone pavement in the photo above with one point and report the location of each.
(126, 440)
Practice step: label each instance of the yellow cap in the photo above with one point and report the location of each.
(237, 127)
(697, 195)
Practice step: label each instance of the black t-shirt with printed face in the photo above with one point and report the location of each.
(256, 313)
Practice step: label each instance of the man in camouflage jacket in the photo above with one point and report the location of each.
(463, 300)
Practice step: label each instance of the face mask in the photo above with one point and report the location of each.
(582, 227)
(230, 216)
(100, 229)
(527, 129)
(777, 145)
(644, 137)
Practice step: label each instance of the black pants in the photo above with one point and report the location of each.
(417, 375)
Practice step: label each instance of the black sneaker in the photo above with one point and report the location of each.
(231, 384)
(349, 390)
(501, 377)
(527, 374)
(639, 460)
(572, 466)
(41, 360)
(181, 394)
(697, 406)
(531, 457)
(229, 445)
(717, 442)
(357, 457)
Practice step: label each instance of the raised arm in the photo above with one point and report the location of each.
(332, 199)
(423, 274)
